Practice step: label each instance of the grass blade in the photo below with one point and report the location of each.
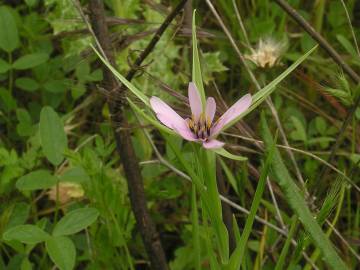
(196, 68)
(281, 261)
(297, 203)
(238, 254)
(123, 80)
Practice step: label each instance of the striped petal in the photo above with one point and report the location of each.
(166, 114)
(210, 109)
(234, 111)
(194, 101)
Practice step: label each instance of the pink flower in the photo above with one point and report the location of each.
(200, 127)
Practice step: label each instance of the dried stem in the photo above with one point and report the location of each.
(123, 139)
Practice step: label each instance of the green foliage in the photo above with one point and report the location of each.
(27, 234)
(9, 37)
(40, 179)
(64, 199)
(62, 251)
(52, 135)
(238, 255)
(298, 204)
(75, 221)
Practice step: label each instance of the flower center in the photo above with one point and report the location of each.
(201, 127)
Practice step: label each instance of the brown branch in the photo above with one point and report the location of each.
(319, 39)
(123, 138)
(155, 39)
(337, 58)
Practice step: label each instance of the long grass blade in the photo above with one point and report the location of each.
(196, 67)
(238, 254)
(297, 203)
(281, 261)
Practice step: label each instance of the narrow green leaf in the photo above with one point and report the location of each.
(196, 67)
(212, 197)
(229, 175)
(40, 179)
(27, 234)
(9, 36)
(122, 79)
(30, 60)
(225, 153)
(281, 261)
(262, 94)
(52, 135)
(296, 201)
(347, 45)
(75, 221)
(61, 251)
(238, 254)
(236, 229)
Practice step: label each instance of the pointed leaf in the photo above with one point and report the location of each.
(52, 135)
(128, 84)
(196, 67)
(261, 95)
(9, 36)
(225, 153)
(30, 61)
(40, 179)
(75, 221)
(294, 197)
(62, 252)
(27, 234)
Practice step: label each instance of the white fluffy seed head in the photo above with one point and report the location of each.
(267, 53)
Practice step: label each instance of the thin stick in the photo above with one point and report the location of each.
(123, 139)
(319, 39)
(155, 39)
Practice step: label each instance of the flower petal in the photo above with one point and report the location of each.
(213, 144)
(234, 111)
(210, 108)
(186, 133)
(166, 114)
(194, 100)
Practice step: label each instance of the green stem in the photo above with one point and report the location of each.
(281, 261)
(195, 228)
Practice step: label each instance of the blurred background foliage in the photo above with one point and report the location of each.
(46, 64)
